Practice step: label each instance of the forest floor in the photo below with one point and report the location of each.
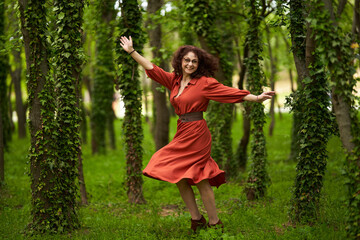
(110, 216)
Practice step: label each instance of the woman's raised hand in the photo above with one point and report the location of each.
(264, 96)
(126, 44)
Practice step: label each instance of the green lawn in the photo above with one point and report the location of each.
(109, 216)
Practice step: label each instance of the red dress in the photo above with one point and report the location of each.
(188, 154)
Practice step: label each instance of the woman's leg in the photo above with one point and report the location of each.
(188, 196)
(208, 198)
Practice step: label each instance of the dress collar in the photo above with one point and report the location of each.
(192, 81)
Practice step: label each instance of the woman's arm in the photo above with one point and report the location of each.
(260, 98)
(127, 45)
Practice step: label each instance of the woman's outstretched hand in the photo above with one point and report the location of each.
(126, 44)
(264, 96)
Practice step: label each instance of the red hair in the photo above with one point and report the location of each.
(207, 66)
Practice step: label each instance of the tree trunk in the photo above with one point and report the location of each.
(2, 162)
(20, 107)
(343, 119)
(83, 194)
(356, 20)
(241, 152)
(111, 129)
(161, 113)
(41, 117)
(273, 69)
(129, 85)
(311, 105)
(103, 90)
(10, 112)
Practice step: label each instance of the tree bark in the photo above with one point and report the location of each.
(273, 70)
(83, 194)
(38, 68)
(356, 20)
(161, 112)
(16, 74)
(20, 107)
(2, 162)
(111, 129)
(102, 94)
(241, 152)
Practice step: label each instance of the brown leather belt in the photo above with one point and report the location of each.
(191, 116)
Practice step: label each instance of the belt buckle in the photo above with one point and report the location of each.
(183, 119)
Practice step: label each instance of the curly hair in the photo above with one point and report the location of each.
(207, 66)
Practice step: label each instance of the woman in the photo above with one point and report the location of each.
(186, 159)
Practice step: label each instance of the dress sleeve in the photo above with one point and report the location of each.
(159, 75)
(216, 91)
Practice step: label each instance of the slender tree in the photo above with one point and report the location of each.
(129, 85)
(297, 29)
(161, 114)
(273, 72)
(241, 155)
(4, 117)
(258, 179)
(104, 75)
(13, 28)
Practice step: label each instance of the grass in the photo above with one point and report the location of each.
(110, 216)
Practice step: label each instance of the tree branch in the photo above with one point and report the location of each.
(341, 7)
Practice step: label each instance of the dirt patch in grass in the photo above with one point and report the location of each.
(170, 209)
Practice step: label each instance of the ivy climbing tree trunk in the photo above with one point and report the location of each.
(356, 20)
(202, 17)
(2, 148)
(298, 33)
(46, 211)
(312, 101)
(337, 60)
(129, 84)
(161, 114)
(68, 58)
(241, 155)
(16, 73)
(4, 121)
(104, 75)
(258, 179)
(273, 72)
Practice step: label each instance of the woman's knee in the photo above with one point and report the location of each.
(182, 184)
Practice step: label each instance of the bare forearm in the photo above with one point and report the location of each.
(141, 60)
(250, 98)
(259, 98)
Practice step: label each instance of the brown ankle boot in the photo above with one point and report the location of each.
(217, 225)
(197, 224)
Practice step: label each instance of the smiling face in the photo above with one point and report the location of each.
(190, 63)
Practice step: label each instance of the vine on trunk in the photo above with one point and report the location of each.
(42, 125)
(4, 66)
(315, 121)
(129, 85)
(258, 179)
(340, 70)
(104, 74)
